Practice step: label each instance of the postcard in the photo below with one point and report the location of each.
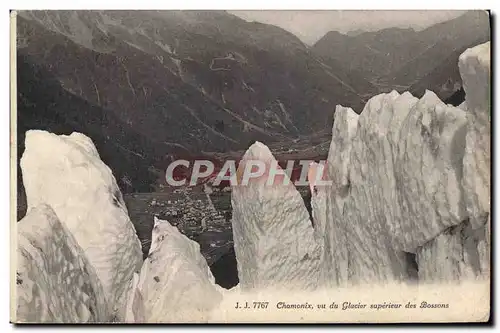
(184, 166)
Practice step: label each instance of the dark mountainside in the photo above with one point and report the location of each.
(205, 80)
(44, 104)
(457, 98)
(444, 79)
(374, 54)
(164, 84)
(404, 59)
(150, 86)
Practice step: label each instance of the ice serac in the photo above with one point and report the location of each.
(316, 177)
(361, 167)
(475, 70)
(335, 248)
(134, 309)
(452, 255)
(474, 67)
(463, 250)
(274, 239)
(319, 196)
(411, 185)
(175, 281)
(396, 172)
(429, 171)
(55, 283)
(67, 173)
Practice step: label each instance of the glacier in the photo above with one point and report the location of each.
(175, 281)
(66, 173)
(55, 282)
(402, 186)
(409, 198)
(409, 202)
(475, 69)
(274, 239)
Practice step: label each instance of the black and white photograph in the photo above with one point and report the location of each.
(250, 166)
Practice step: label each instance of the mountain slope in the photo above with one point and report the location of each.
(444, 79)
(374, 54)
(398, 58)
(447, 38)
(44, 104)
(208, 81)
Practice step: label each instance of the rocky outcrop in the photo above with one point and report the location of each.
(55, 282)
(66, 173)
(274, 239)
(175, 281)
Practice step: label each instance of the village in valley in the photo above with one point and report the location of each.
(200, 212)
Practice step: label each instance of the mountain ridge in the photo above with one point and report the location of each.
(399, 58)
(182, 83)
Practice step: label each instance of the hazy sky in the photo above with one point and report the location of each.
(311, 25)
